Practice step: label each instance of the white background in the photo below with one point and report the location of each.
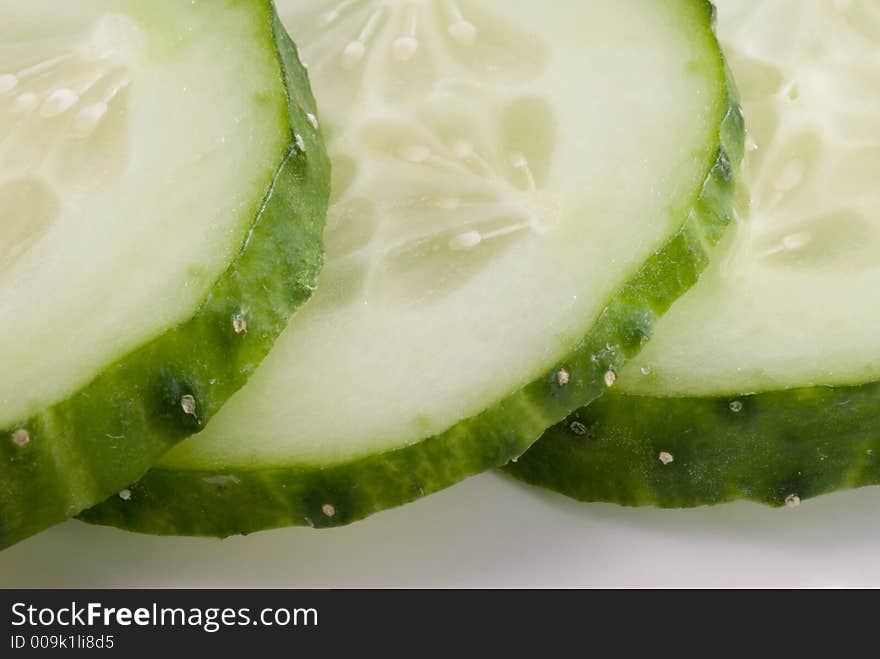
(489, 531)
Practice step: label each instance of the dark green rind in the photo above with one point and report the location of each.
(774, 448)
(214, 503)
(108, 434)
(780, 445)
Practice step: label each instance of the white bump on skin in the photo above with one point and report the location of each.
(300, 143)
(21, 437)
(125, 495)
(563, 378)
(188, 404)
(239, 323)
(792, 501)
(328, 510)
(610, 378)
(578, 428)
(313, 120)
(666, 458)
(736, 407)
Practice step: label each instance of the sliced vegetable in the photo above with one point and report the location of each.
(162, 196)
(762, 382)
(517, 198)
(777, 448)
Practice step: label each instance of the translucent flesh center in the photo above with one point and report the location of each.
(497, 176)
(63, 123)
(792, 299)
(118, 203)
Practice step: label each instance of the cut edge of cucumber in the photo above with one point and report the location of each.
(702, 451)
(668, 445)
(159, 392)
(214, 503)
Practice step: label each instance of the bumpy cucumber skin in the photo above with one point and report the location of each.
(223, 503)
(776, 448)
(108, 434)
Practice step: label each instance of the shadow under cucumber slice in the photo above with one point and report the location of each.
(763, 382)
(172, 199)
(517, 197)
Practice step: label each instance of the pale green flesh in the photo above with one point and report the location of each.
(793, 301)
(498, 176)
(119, 210)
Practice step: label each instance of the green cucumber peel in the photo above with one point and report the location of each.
(777, 448)
(77, 451)
(762, 382)
(201, 491)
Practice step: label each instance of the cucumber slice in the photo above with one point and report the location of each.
(777, 448)
(762, 382)
(162, 198)
(518, 195)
